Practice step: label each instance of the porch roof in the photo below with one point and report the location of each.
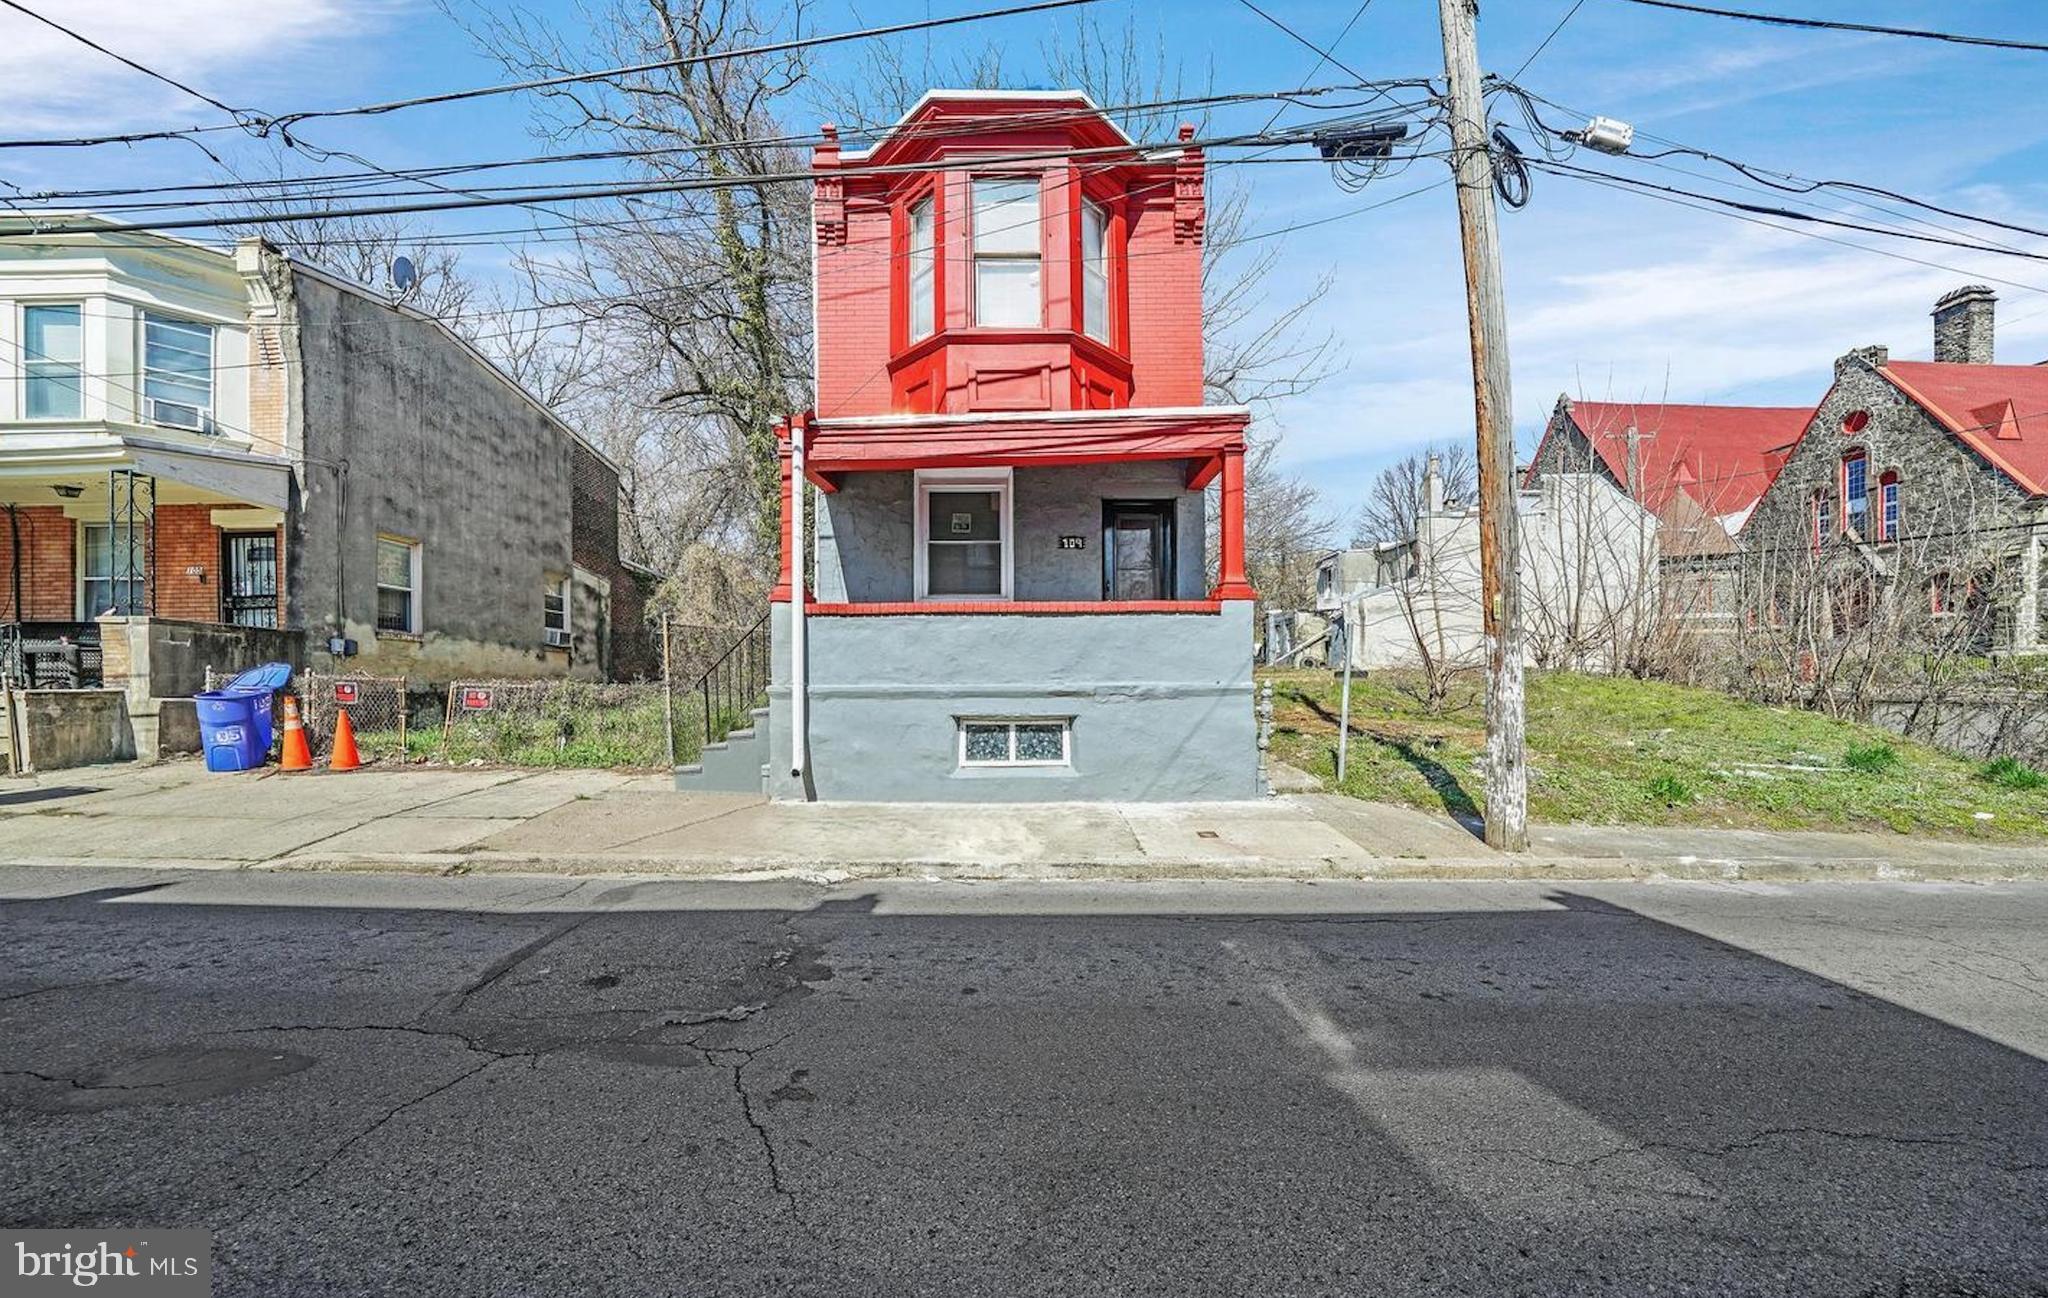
(31, 464)
(1037, 438)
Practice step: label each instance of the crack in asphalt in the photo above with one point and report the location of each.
(1760, 1139)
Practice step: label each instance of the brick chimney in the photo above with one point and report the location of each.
(1963, 326)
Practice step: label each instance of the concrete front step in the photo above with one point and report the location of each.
(735, 764)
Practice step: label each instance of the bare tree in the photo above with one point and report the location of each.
(697, 302)
(1394, 500)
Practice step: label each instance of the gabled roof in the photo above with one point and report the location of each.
(1072, 110)
(1720, 457)
(1998, 411)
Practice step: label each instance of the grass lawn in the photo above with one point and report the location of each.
(1627, 752)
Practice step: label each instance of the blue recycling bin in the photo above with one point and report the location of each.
(235, 720)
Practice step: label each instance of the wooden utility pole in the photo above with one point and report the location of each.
(1507, 773)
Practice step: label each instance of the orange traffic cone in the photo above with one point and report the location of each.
(344, 757)
(296, 755)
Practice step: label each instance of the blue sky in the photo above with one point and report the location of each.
(1610, 296)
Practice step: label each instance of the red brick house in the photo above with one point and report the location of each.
(1002, 484)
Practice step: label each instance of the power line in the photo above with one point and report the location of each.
(1136, 153)
(1544, 44)
(1312, 46)
(123, 59)
(1602, 178)
(283, 122)
(913, 132)
(288, 120)
(1792, 214)
(1829, 24)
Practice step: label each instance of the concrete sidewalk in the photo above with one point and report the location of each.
(598, 822)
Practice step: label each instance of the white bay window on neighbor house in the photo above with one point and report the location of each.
(963, 534)
(398, 585)
(1016, 741)
(1006, 256)
(177, 372)
(52, 361)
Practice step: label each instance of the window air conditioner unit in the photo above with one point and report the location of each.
(178, 414)
(556, 638)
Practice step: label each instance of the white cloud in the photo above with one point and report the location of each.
(230, 49)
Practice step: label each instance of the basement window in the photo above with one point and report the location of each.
(1016, 741)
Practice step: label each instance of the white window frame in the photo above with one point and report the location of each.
(1095, 267)
(921, 309)
(996, 480)
(148, 403)
(1066, 757)
(416, 606)
(80, 576)
(555, 637)
(975, 256)
(21, 337)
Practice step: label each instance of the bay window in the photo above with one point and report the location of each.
(177, 372)
(1006, 253)
(1095, 270)
(52, 362)
(923, 284)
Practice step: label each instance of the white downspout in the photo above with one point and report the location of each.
(798, 719)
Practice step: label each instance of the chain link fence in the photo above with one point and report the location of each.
(378, 708)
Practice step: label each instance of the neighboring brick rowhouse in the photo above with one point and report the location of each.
(187, 564)
(269, 390)
(594, 541)
(48, 587)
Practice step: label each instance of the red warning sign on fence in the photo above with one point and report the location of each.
(345, 692)
(476, 700)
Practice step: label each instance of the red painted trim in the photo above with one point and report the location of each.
(825, 482)
(1204, 472)
(1231, 582)
(1027, 607)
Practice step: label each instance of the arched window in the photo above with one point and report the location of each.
(1888, 506)
(1856, 493)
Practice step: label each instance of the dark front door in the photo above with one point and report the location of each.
(248, 587)
(1137, 549)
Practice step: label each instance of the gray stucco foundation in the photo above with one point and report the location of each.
(1160, 705)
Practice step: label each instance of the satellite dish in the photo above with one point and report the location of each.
(403, 274)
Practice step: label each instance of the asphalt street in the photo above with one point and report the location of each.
(528, 1086)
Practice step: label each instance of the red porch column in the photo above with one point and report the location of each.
(1231, 582)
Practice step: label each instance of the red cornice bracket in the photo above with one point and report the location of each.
(828, 201)
(1189, 211)
(1203, 472)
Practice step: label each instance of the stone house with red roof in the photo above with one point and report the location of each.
(1921, 486)
(1699, 469)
